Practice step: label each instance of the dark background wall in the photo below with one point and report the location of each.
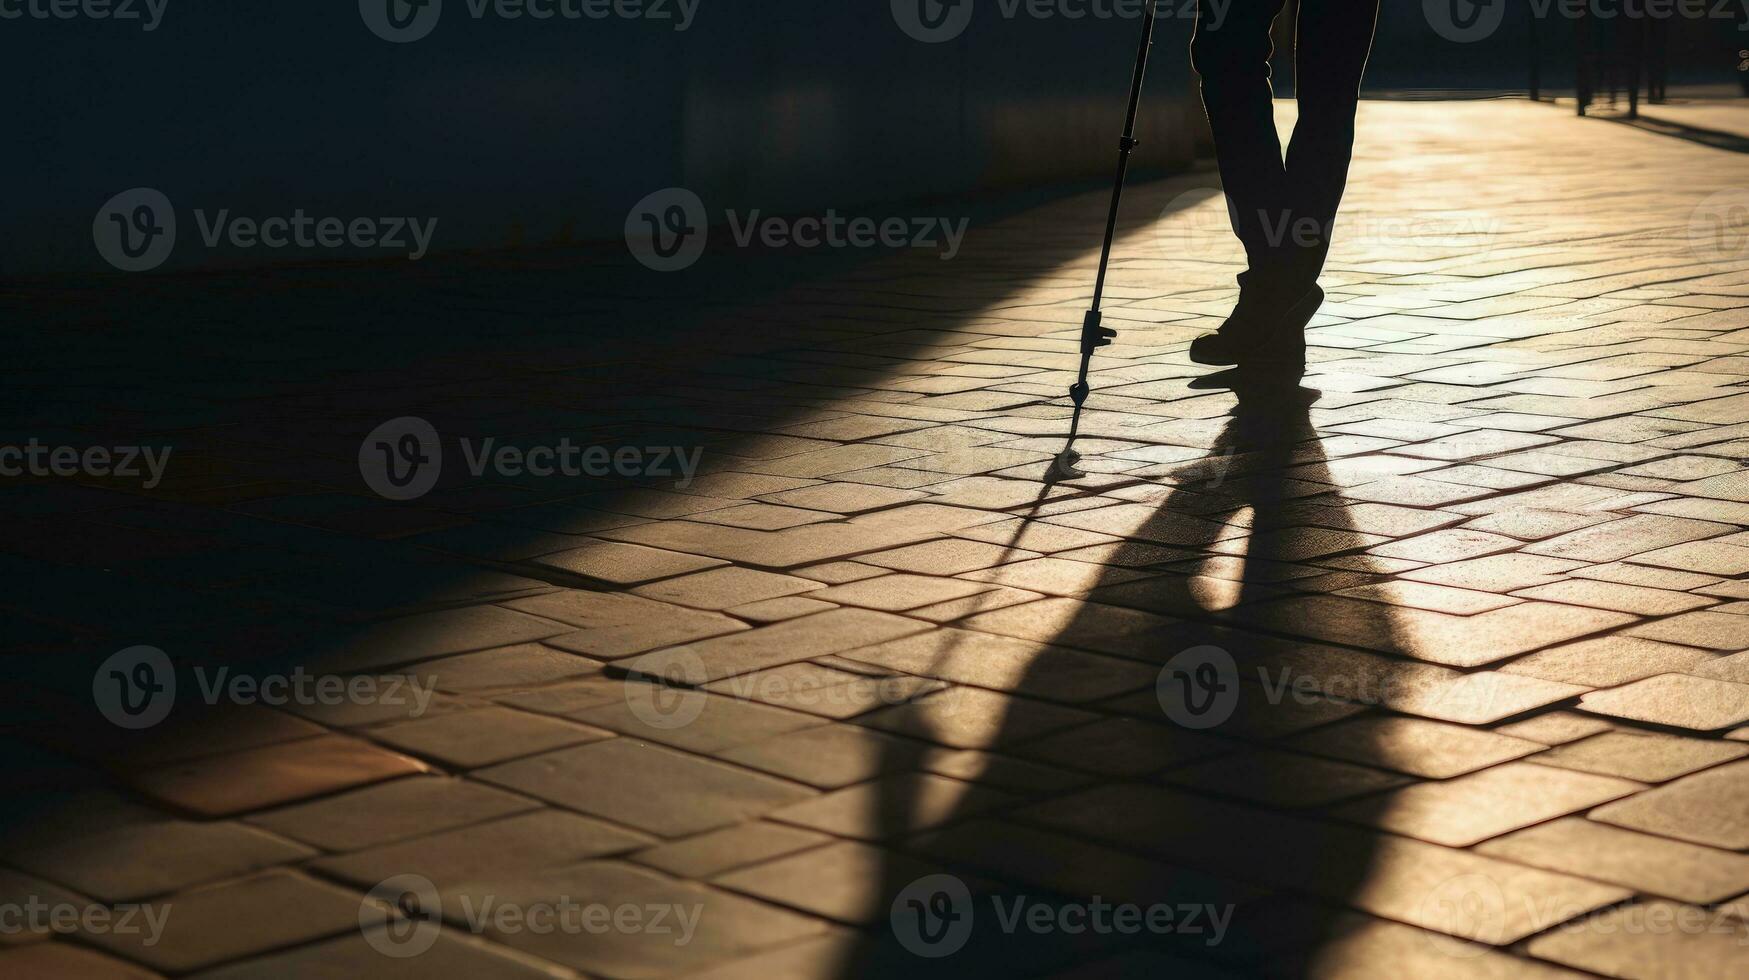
(525, 132)
(532, 131)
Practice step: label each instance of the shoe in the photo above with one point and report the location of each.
(1261, 340)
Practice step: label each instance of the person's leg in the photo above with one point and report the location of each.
(1231, 53)
(1330, 52)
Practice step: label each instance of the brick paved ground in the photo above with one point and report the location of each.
(1476, 596)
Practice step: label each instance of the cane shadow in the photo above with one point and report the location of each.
(1109, 798)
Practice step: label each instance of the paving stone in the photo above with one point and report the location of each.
(839, 572)
(1648, 757)
(724, 925)
(224, 922)
(1713, 630)
(1555, 727)
(390, 811)
(1609, 660)
(523, 665)
(719, 723)
(1281, 779)
(437, 634)
(796, 640)
(1446, 546)
(353, 955)
(1621, 598)
(725, 587)
(624, 564)
(469, 739)
(1462, 811)
(1642, 940)
(849, 881)
(1496, 573)
(828, 757)
(1005, 664)
(254, 779)
(1710, 557)
(1678, 700)
(732, 847)
(1431, 749)
(1123, 747)
(67, 962)
(1407, 880)
(1434, 598)
(667, 793)
(825, 691)
(146, 858)
(1533, 524)
(1459, 641)
(538, 839)
(616, 625)
(972, 718)
(1647, 864)
(895, 804)
(950, 556)
(896, 593)
(778, 610)
(1629, 536)
(843, 498)
(1709, 807)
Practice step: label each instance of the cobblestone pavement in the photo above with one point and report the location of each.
(1435, 667)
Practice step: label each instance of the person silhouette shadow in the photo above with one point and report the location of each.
(1176, 795)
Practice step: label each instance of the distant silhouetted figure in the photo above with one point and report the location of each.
(1282, 213)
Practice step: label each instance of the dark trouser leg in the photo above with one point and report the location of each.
(1231, 52)
(1334, 39)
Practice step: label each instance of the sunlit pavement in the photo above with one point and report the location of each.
(1434, 668)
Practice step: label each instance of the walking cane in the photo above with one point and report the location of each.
(1094, 336)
